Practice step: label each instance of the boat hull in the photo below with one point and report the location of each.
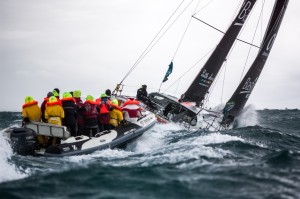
(79, 145)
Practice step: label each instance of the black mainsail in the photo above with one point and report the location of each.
(202, 82)
(238, 100)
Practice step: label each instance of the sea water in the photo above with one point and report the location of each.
(260, 158)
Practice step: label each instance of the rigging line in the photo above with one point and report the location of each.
(190, 68)
(261, 25)
(163, 35)
(214, 82)
(225, 67)
(185, 32)
(260, 15)
(177, 86)
(210, 91)
(141, 56)
(207, 96)
(224, 32)
(160, 36)
(203, 7)
(213, 85)
(168, 28)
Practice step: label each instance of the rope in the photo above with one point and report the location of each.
(185, 32)
(223, 82)
(203, 7)
(224, 32)
(261, 12)
(261, 24)
(144, 52)
(218, 75)
(190, 69)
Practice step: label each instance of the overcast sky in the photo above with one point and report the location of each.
(91, 44)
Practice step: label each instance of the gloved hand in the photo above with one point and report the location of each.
(123, 122)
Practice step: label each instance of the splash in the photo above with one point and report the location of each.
(154, 138)
(248, 117)
(215, 138)
(147, 145)
(8, 171)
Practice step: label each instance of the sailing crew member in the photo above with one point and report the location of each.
(43, 106)
(108, 93)
(104, 113)
(80, 119)
(142, 95)
(116, 116)
(131, 110)
(31, 111)
(56, 93)
(70, 109)
(89, 111)
(54, 114)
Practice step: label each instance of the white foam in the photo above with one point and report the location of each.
(154, 148)
(215, 138)
(153, 138)
(193, 148)
(248, 117)
(151, 141)
(107, 154)
(8, 171)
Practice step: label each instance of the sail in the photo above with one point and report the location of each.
(238, 100)
(202, 82)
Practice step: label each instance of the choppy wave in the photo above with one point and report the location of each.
(8, 171)
(258, 159)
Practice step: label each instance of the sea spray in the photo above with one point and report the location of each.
(174, 163)
(154, 138)
(248, 117)
(8, 171)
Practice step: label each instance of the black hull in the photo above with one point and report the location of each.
(169, 109)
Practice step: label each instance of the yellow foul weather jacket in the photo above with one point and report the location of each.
(116, 117)
(54, 113)
(31, 111)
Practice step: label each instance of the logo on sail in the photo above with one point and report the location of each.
(228, 107)
(248, 87)
(244, 13)
(206, 78)
(269, 46)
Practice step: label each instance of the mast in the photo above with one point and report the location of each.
(202, 82)
(238, 100)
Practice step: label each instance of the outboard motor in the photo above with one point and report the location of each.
(24, 141)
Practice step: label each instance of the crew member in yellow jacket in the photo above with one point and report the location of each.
(31, 112)
(54, 114)
(116, 115)
(54, 111)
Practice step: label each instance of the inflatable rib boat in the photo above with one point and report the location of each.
(24, 139)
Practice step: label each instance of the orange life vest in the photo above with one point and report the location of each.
(68, 98)
(58, 102)
(29, 104)
(131, 102)
(104, 108)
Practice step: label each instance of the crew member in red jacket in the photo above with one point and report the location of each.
(90, 114)
(104, 113)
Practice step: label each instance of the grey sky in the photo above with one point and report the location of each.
(91, 45)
